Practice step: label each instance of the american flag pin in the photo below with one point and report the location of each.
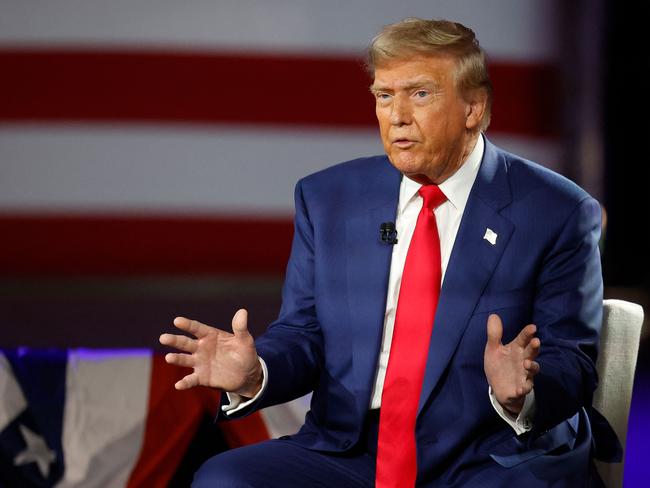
(490, 236)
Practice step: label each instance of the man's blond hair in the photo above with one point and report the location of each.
(436, 37)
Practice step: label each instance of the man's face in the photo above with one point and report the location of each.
(426, 126)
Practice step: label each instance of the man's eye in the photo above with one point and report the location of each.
(421, 93)
(383, 96)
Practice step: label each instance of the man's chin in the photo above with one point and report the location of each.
(409, 168)
(418, 177)
(404, 162)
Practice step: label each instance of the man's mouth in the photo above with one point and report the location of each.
(403, 143)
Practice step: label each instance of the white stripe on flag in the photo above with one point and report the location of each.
(106, 407)
(68, 168)
(511, 29)
(12, 400)
(248, 170)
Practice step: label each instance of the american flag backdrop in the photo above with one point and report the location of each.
(126, 126)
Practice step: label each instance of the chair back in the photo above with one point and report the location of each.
(619, 347)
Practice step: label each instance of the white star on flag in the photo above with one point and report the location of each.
(35, 452)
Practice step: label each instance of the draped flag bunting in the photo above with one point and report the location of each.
(111, 418)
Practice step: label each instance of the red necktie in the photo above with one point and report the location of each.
(416, 309)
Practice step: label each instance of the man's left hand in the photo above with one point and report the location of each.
(510, 368)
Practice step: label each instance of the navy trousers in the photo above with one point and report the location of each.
(284, 463)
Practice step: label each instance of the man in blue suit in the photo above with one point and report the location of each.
(509, 367)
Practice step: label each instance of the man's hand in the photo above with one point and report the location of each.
(219, 359)
(510, 369)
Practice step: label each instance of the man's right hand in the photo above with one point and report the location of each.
(219, 359)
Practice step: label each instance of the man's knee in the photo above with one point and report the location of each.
(222, 470)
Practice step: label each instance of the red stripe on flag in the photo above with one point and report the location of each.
(526, 99)
(175, 87)
(172, 421)
(123, 246)
(168, 87)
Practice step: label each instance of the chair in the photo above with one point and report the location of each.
(619, 346)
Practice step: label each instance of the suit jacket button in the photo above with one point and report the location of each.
(345, 444)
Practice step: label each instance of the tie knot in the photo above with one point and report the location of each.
(432, 196)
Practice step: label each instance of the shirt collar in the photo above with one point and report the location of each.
(456, 188)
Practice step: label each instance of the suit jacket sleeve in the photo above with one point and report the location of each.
(292, 345)
(568, 307)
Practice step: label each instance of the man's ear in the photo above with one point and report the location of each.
(476, 104)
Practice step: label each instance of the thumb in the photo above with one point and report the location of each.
(240, 323)
(494, 331)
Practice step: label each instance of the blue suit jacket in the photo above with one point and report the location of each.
(544, 268)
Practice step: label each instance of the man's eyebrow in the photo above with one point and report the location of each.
(408, 86)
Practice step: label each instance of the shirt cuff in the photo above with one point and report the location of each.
(237, 402)
(523, 422)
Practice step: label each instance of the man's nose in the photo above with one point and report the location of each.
(401, 112)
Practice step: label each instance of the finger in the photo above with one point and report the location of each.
(179, 342)
(525, 388)
(532, 367)
(528, 386)
(189, 381)
(185, 360)
(197, 329)
(532, 349)
(523, 391)
(494, 331)
(525, 336)
(240, 324)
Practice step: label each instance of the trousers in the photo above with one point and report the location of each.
(284, 463)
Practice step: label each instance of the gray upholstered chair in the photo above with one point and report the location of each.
(619, 346)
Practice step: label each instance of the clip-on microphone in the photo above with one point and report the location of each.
(388, 233)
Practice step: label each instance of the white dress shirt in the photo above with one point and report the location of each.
(448, 216)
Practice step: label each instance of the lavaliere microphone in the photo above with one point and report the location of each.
(388, 233)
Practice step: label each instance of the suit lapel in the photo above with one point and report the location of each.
(368, 266)
(471, 264)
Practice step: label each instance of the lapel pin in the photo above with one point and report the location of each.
(490, 236)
